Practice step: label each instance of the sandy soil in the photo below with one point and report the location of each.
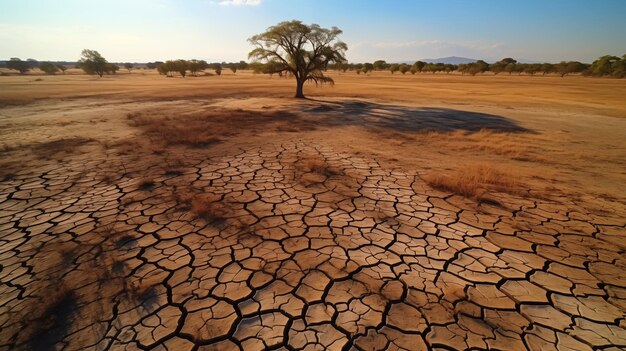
(385, 212)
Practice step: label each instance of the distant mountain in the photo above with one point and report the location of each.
(455, 60)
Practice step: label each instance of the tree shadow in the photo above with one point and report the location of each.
(411, 119)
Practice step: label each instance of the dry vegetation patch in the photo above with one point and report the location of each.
(513, 145)
(313, 169)
(207, 128)
(66, 145)
(53, 149)
(209, 207)
(474, 181)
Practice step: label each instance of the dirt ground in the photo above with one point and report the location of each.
(414, 212)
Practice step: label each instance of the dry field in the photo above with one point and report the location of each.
(426, 212)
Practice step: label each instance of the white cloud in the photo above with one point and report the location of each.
(239, 2)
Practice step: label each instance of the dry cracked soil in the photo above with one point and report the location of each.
(285, 241)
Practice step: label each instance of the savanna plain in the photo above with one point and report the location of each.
(414, 212)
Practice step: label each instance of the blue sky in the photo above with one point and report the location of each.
(216, 30)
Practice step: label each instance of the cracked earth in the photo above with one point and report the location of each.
(354, 256)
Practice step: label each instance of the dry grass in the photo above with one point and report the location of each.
(313, 169)
(474, 181)
(516, 146)
(313, 164)
(316, 164)
(208, 128)
(177, 131)
(209, 208)
(59, 148)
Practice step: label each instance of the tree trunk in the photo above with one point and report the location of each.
(299, 89)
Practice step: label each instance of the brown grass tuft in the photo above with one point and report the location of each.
(474, 181)
(209, 207)
(311, 164)
(316, 164)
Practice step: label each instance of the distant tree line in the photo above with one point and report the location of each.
(24, 66)
(605, 66)
(91, 62)
(181, 67)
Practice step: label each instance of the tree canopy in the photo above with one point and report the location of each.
(93, 63)
(48, 68)
(303, 51)
(16, 64)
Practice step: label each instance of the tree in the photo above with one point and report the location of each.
(604, 65)
(18, 65)
(367, 67)
(62, 68)
(380, 65)
(394, 68)
(619, 69)
(217, 67)
(233, 67)
(481, 66)
(196, 66)
(450, 68)
(547, 68)
(565, 68)
(92, 62)
(48, 68)
(303, 50)
(163, 69)
(511, 67)
(242, 65)
(111, 68)
(181, 67)
(501, 65)
(532, 68)
(404, 68)
(129, 66)
(419, 65)
(341, 67)
(32, 63)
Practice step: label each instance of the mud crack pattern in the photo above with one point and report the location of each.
(339, 255)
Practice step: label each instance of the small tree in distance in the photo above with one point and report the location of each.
(111, 68)
(48, 68)
(419, 65)
(92, 62)
(368, 67)
(303, 50)
(129, 66)
(380, 65)
(181, 67)
(18, 65)
(218, 69)
(196, 66)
